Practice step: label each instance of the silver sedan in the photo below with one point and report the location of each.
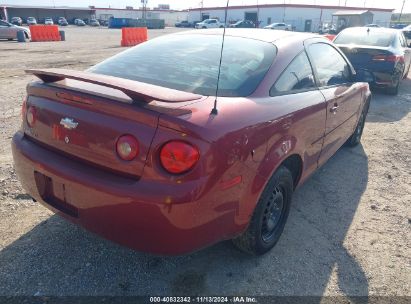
(9, 31)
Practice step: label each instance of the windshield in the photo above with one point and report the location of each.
(365, 37)
(190, 63)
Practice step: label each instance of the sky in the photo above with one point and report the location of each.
(182, 4)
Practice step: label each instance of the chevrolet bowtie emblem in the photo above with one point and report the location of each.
(68, 123)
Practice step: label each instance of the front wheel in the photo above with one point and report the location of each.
(270, 215)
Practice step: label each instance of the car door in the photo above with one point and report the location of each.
(296, 90)
(343, 96)
(212, 24)
(4, 30)
(13, 31)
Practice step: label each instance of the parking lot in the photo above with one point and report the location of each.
(348, 232)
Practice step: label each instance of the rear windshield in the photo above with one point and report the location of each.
(364, 37)
(190, 63)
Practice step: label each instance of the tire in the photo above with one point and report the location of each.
(394, 89)
(221, 26)
(204, 27)
(355, 138)
(264, 231)
(10, 39)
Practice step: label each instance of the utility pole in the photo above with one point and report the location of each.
(201, 9)
(144, 2)
(399, 19)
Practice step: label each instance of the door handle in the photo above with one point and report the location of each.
(334, 109)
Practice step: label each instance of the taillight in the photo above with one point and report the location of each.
(178, 157)
(379, 58)
(127, 147)
(31, 116)
(388, 58)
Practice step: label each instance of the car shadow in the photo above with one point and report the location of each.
(388, 108)
(60, 259)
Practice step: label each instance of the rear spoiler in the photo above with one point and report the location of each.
(134, 89)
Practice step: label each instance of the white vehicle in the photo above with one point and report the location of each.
(48, 21)
(9, 31)
(210, 23)
(278, 26)
(31, 21)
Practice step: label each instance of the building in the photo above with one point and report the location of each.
(302, 17)
(169, 16)
(353, 18)
(41, 12)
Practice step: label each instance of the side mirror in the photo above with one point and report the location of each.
(363, 75)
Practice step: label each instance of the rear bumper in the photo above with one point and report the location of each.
(168, 219)
(383, 79)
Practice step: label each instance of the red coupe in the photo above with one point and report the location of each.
(138, 149)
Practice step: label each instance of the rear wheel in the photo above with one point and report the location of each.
(355, 138)
(396, 85)
(204, 27)
(270, 215)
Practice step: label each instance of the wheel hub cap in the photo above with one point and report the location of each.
(272, 214)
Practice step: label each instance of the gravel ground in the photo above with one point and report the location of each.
(348, 232)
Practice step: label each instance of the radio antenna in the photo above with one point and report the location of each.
(214, 111)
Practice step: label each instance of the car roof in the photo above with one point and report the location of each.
(256, 34)
(373, 29)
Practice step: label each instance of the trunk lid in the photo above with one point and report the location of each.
(362, 57)
(99, 123)
(82, 115)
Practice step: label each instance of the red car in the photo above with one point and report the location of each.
(138, 150)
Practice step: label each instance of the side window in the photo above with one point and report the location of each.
(213, 21)
(298, 76)
(330, 67)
